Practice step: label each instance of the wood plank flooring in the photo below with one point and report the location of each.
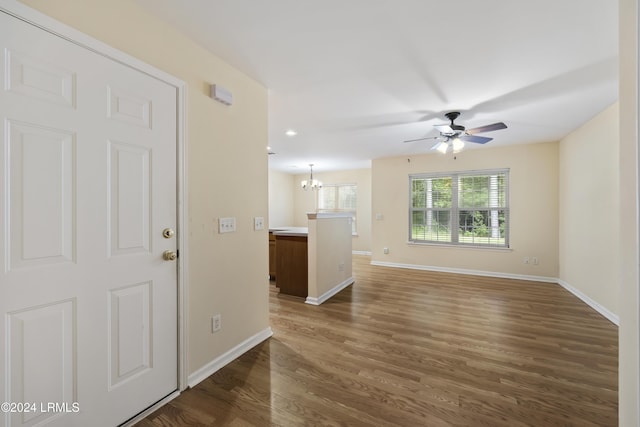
(415, 348)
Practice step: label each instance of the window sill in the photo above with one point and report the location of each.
(450, 246)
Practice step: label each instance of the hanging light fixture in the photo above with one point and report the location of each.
(314, 184)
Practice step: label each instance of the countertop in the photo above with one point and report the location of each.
(289, 231)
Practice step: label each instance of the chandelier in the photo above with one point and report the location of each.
(314, 184)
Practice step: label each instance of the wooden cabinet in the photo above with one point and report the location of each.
(292, 265)
(272, 256)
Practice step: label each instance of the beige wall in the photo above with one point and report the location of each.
(629, 333)
(305, 201)
(281, 199)
(590, 209)
(533, 210)
(227, 170)
(329, 254)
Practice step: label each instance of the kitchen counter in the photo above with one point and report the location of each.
(290, 231)
(312, 262)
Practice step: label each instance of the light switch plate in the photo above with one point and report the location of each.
(226, 225)
(258, 223)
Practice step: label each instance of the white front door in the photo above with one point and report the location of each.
(88, 305)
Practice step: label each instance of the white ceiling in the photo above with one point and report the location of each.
(355, 78)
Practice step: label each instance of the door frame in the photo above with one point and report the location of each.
(50, 25)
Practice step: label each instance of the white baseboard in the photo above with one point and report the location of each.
(228, 357)
(331, 292)
(613, 318)
(469, 272)
(368, 253)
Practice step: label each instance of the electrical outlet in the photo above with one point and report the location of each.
(216, 323)
(341, 266)
(525, 260)
(385, 250)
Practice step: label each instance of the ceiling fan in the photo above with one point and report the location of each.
(455, 135)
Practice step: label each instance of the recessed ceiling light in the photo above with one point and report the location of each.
(291, 132)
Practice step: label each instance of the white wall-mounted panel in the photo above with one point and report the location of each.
(39, 80)
(128, 108)
(129, 199)
(130, 339)
(40, 170)
(41, 359)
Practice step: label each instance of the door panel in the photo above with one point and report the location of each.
(129, 195)
(41, 195)
(130, 349)
(39, 79)
(88, 306)
(129, 108)
(41, 330)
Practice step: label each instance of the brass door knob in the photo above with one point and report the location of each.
(169, 255)
(168, 233)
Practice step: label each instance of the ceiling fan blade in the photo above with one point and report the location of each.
(475, 138)
(446, 129)
(422, 139)
(487, 128)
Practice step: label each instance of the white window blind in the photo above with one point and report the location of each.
(460, 208)
(339, 198)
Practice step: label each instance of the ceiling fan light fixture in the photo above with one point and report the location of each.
(458, 145)
(442, 147)
(458, 134)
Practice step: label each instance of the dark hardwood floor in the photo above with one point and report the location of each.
(415, 348)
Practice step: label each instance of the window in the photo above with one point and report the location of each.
(339, 198)
(460, 208)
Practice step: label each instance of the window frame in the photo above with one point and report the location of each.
(455, 209)
(353, 212)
